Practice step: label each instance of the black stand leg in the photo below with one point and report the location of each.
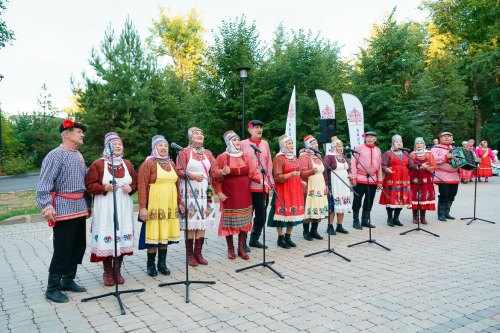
(329, 250)
(474, 218)
(186, 282)
(370, 240)
(263, 263)
(115, 293)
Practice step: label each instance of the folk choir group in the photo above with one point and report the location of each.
(308, 190)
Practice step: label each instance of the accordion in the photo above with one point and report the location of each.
(463, 158)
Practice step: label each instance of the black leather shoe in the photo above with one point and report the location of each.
(356, 225)
(256, 243)
(341, 229)
(397, 222)
(447, 211)
(151, 264)
(289, 241)
(162, 262)
(53, 292)
(330, 230)
(68, 281)
(307, 236)
(282, 242)
(247, 249)
(390, 222)
(314, 231)
(367, 224)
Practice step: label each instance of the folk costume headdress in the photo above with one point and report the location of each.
(396, 137)
(482, 143)
(419, 153)
(106, 153)
(231, 150)
(191, 132)
(154, 151)
(68, 123)
(283, 149)
(335, 142)
(308, 140)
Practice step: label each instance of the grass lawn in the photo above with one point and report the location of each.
(23, 203)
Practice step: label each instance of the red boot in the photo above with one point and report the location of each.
(119, 277)
(108, 272)
(422, 217)
(242, 238)
(230, 247)
(191, 260)
(198, 245)
(415, 216)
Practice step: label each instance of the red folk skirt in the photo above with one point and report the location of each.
(464, 174)
(397, 185)
(426, 195)
(484, 170)
(237, 210)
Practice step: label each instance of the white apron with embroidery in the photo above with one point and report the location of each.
(195, 167)
(341, 194)
(102, 221)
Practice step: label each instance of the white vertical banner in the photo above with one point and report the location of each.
(291, 122)
(355, 119)
(326, 109)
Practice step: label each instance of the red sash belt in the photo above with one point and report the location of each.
(70, 196)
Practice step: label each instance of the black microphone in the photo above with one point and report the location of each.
(255, 147)
(315, 150)
(351, 150)
(176, 146)
(111, 150)
(404, 149)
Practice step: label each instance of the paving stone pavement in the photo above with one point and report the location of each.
(424, 284)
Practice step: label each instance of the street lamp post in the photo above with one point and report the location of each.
(474, 98)
(1, 142)
(244, 77)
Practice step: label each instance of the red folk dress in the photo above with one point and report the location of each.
(397, 184)
(237, 210)
(485, 156)
(426, 195)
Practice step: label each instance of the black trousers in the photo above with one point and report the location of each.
(447, 192)
(362, 189)
(69, 245)
(260, 214)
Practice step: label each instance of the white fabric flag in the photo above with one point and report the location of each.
(355, 119)
(326, 109)
(291, 122)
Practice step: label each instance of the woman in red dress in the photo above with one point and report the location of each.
(485, 157)
(397, 181)
(426, 195)
(234, 194)
(286, 172)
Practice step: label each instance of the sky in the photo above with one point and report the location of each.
(54, 38)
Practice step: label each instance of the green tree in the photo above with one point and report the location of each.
(6, 35)
(119, 98)
(180, 38)
(10, 140)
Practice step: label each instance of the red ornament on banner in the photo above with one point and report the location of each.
(68, 123)
(327, 112)
(291, 113)
(354, 117)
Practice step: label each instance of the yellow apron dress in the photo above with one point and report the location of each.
(162, 227)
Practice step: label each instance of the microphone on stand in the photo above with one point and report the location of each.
(255, 147)
(351, 150)
(315, 150)
(176, 146)
(403, 149)
(111, 150)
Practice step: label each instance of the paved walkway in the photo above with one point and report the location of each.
(424, 283)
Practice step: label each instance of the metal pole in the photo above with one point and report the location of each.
(243, 115)
(475, 122)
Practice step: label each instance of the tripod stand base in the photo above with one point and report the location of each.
(117, 295)
(263, 264)
(418, 229)
(369, 241)
(328, 251)
(187, 283)
(475, 219)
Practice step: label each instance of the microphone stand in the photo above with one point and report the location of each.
(187, 282)
(330, 250)
(419, 165)
(115, 293)
(264, 263)
(474, 218)
(368, 176)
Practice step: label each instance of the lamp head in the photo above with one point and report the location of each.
(243, 73)
(1, 77)
(474, 97)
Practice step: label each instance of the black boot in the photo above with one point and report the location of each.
(341, 229)
(314, 231)
(389, 217)
(441, 211)
(396, 221)
(365, 219)
(330, 230)
(355, 220)
(447, 211)
(151, 264)
(289, 241)
(254, 242)
(282, 243)
(53, 291)
(162, 262)
(68, 281)
(247, 249)
(306, 232)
